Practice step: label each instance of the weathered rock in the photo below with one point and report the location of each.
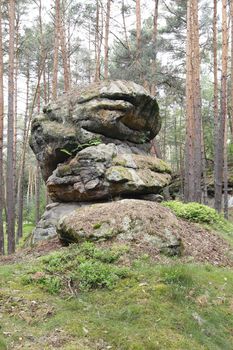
(127, 220)
(116, 110)
(46, 227)
(106, 171)
(93, 145)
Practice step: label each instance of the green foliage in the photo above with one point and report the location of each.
(94, 274)
(84, 266)
(2, 344)
(194, 212)
(177, 274)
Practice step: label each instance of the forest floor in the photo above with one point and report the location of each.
(145, 303)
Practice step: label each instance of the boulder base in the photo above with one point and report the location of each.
(127, 220)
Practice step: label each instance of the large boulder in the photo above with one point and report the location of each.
(93, 145)
(127, 220)
(116, 110)
(106, 171)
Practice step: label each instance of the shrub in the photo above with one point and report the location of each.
(194, 212)
(85, 266)
(93, 274)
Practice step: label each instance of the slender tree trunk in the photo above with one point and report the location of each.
(217, 184)
(224, 101)
(231, 9)
(97, 42)
(1, 138)
(56, 48)
(10, 135)
(155, 35)
(124, 26)
(189, 188)
(106, 45)
(37, 194)
(198, 162)
(220, 156)
(22, 161)
(138, 37)
(62, 37)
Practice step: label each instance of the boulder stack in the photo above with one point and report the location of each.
(93, 146)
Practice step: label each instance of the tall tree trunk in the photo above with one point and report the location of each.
(193, 157)
(22, 161)
(189, 166)
(37, 194)
(62, 37)
(124, 26)
(198, 162)
(97, 42)
(1, 138)
(154, 38)
(231, 14)
(56, 48)
(138, 37)
(224, 101)
(10, 135)
(106, 45)
(220, 156)
(217, 184)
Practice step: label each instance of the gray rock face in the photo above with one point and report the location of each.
(106, 171)
(93, 145)
(46, 227)
(127, 220)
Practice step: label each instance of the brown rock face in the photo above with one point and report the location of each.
(93, 144)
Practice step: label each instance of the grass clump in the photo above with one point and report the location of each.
(194, 212)
(78, 267)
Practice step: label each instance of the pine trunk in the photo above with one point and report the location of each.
(1, 138)
(106, 45)
(10, 186)
(56, 48)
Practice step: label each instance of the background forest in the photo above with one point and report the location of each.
(180, 51)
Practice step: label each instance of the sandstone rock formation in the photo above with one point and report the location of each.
(127, 220)
(93, 145)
